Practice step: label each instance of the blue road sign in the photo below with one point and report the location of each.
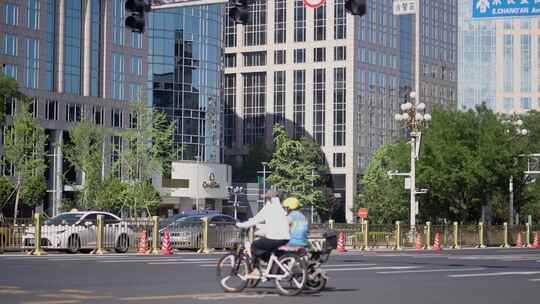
(505, 8)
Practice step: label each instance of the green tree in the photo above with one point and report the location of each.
(299, 168)
(84, 151)
(9, 89)
(24, 148)
(147, 152)
(111, 195)
(385, 197)
(7, 190)
(246, 171)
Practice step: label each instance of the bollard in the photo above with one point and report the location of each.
(481, 235)
(398, 236)
(99, 235)
(155, 236)
(428, 236)
(204, 245)
(456, 236)
(528, 235)
(331, 224)
(506, 244)
(37, 238)
(366, 235)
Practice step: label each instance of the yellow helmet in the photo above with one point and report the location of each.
(291, 203)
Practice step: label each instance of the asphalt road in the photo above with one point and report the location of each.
(465, 276)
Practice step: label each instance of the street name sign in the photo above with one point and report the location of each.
(505, 8)
(404, 7)
(162, 4)
(314, 3)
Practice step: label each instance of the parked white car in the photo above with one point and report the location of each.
(75, 231)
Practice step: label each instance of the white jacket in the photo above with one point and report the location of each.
(274, 217)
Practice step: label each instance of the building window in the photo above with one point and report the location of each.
(73, 112)
(299, 55)
(299, 21)
(319, 23)
(33, 14)
(132, 121)
(9, 107)
(254, 107)
(10, 45)
(98, 115)
(319, 54)
(319, 100)
(51, 110)
(340, 53)
(118, 76)
(95, 47)
(340, 20)
(280, 21)
(116, 150)
(50, 46)
(32, 63)
(299, 102)
(230, 60)
(339, 160)
(136, 65)
(34, 108)
(72, 47)
(229, 31)
(508, 103)
(508, 76)
(508, 24)
(229, 110)
(119, 16)
(136, 40)
(254, 59)
(340, 85)
(525, 23)
(10, 70)
(11, 14)
(116, 118)
(526, 103)
(280, 57)
(279, 96)
(135, 91)
(525, 63)
(255, 30)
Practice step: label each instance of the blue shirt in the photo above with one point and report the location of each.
(298, 229)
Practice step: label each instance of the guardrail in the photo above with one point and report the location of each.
(101, 235)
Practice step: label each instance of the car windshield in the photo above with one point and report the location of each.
(64, 219)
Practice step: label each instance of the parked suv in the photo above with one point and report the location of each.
(75, 231)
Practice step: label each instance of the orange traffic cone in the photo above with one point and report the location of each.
(437, 242)
(535, 243)
(419, 245)
(341, 243)
(519, 243)
(166, 247)
(143, 244)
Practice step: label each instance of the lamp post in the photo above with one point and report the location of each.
(235, 191)
(519, 131)
(411, 115)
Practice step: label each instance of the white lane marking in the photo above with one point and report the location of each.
(177, 263)
(373, 268)
(534, 280)
(346, 265)
(159, 260)
(127, 259)
(493, 274)
(430, 270)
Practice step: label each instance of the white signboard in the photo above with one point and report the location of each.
(404, 7)
(161, 4)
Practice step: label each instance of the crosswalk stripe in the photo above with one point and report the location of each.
(430, 270)
(158, 260)
(347, 265)
(493, 274)
(373, 268)
(176, 263)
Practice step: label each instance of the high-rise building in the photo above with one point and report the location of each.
(499, 62)
(333, 77)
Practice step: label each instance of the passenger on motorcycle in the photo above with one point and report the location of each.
(299, 228)
(276, 231)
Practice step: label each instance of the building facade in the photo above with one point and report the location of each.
(77, 60)
(332, 77)
(499, 62)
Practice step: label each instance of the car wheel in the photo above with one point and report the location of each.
(122, 244)
(74, 244)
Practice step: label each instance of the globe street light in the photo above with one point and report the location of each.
(235, 191)
(414, 118)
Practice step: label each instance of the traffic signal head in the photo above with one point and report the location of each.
(135, 21)
(239, 11)
(356, 7)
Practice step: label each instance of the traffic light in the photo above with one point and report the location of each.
(356, 7)
(239, 11)
(135, 21)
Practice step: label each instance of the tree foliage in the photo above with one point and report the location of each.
(9, 89)
(246, 171)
